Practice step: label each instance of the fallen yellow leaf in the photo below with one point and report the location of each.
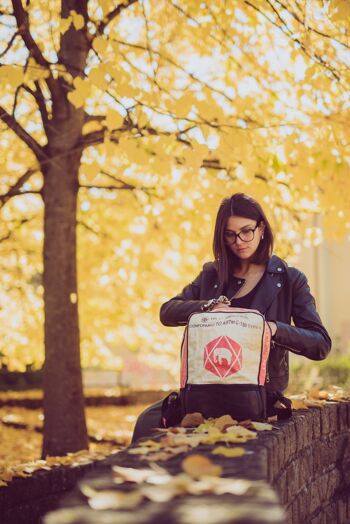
(204, 428)
(177, 429)
(166, 453)
(274, 418)
(261, 426)
(309, 403)
(197, 466)
(121, 474)
(229, 452)
(224, 422)
(192, 420)
(115, 500)
(143, 450)
(241, 432)
(161, 493)
(298, 403)
(152, 444)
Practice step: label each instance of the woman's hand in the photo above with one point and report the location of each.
(221, 305)
(273, 327)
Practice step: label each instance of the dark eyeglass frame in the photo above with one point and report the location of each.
(235, 235)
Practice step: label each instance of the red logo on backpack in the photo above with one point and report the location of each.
(223, 356)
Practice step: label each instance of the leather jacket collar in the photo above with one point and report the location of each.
(272, 282)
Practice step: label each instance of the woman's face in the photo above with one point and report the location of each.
(245, 245)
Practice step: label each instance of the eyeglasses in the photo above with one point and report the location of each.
(246, 235)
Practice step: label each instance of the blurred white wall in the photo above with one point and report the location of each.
(328, 270)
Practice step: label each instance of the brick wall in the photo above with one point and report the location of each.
(309, 465)
(298, 473)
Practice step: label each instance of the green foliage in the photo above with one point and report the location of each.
(306, 374)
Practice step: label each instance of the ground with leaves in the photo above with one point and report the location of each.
(110, 429)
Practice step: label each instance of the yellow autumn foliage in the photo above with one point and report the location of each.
(185, 102)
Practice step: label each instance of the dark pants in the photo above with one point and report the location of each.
(148, 420)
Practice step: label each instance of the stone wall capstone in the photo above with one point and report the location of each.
(298, 473)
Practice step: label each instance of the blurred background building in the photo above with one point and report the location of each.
(327, 267)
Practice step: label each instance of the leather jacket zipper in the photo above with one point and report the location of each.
(294, 350)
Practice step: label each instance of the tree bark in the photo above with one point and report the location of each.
(64, 424)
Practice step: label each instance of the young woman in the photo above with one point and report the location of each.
(246, 274)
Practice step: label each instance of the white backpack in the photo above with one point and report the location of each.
(224, 358)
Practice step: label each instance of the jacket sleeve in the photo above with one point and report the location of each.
(176, 311)
(308, 336)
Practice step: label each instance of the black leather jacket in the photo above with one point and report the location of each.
(282, 296)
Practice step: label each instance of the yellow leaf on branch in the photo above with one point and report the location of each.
(77, 19)
(97, 77)
(339, 10)
(11, 76)
(81, 93)
(100, 44)
(64, 24)
(114, 120)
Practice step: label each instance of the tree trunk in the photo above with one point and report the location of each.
(64, 424)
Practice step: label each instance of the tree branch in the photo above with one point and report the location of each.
(30, 192)
(17, 226)
(149, 46)
(94, 118)
(124, 185)
(40, 100)
(12, 123)
(22, 19)
(91, 229)
(19, 88)
(93, 138)
(223, 42)
(9, 45)
(289, 34)
(17, 185)
(109, 188)
(310, 28)
(15, 190)
(112, 15)
(146, 75)
(177, 66)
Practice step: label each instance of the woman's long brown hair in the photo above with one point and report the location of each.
(241, 205)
